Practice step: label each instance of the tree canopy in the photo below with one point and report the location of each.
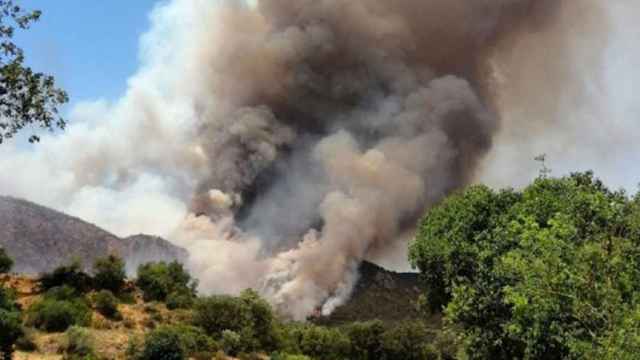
(26, 97)
(549, 272)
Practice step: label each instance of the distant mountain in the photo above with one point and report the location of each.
(39, 239)
(381, 295)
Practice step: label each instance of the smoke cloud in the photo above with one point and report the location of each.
(284, 142)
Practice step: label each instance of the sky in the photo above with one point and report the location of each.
(90, 46)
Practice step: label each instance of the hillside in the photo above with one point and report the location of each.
(40, 239)
(379, 294)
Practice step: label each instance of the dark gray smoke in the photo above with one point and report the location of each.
(345, 121)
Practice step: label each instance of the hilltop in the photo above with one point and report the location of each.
(40, 239)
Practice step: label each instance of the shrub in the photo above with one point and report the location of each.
(163, 344)
(106, 304)
(217, 313)
(10, 331)
(408, 341)
(10, 321)
(53, 314)
(194, 340)
(134, 348)
(70, 275)
(247, 315)
(282, 356)
(62, 293)
(322, 343)
(109, 274)
(6, 263)
(158, 280)
(366, 339)
(231, 342)
(78, 343)
(177, 300)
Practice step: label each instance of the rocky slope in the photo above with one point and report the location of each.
(40, 239)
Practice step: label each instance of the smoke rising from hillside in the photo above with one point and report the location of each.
(284, 143)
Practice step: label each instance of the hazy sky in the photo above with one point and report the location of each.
(91, 46)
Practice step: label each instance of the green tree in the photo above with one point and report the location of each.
(70, 275)
(107, 304)
(59, 309)
(247, 315)
(551, 272)
(159, 280)
(163, 343)
(10, 323)
(26, 97)
(109, 274)
(366, 339)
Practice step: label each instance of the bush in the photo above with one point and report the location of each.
(321, 343)
(283, 356)
(159, 280)
(366, 339)
(217, 313)
(177, 300)
(173, 342)
(78, 343)
(409, 341)
(70, 275)
(109, 274)
(10, 322)
(134, 348)
(62, 293)
(58, 311)
(194, 340)
(6, 263)
(10, 331)
(106, 304)
(247, 315)
(231, 342)
(163, 344)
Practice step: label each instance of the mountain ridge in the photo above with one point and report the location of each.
(39, 239)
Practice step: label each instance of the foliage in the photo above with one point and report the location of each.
(60, 309)
(163, 343)
(159, 280)
(366, 339)
(284, 356)
(318, 342)
(549, 272)
(78, 343)
(178, 300)
(174, 341)
(248, 315)
(109, 274)
(106, 304)
(26, 97)
(6, 263)
(231, 342)
(67, 275)
(408, 341)
(10, 323)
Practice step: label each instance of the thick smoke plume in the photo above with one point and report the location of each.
(284, 142)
